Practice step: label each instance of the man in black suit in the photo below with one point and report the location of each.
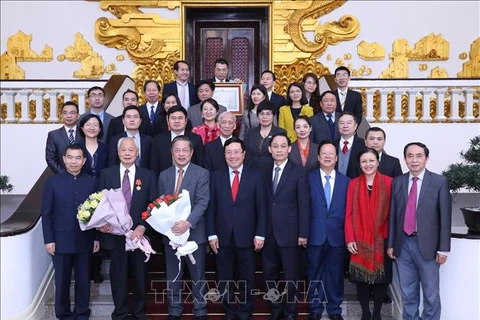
(268, 79)
(324, 124)
(96, 100)
(349, 146)
(205, 90)
(375, 138)
(59, 139)
(236, 219)
(151, 111)
(221, 72)
(131, 121)
(185, 90)
(214, 154)
(160, 155)
(69, 246)
(347, 100)
(287, 226)
(140, 184)
(129, 98)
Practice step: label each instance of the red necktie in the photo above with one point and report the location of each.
(410, 212)
(235, 183)
(345, 148)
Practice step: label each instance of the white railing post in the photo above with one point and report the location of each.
(38, 107)
(426, 105)
(469, 105)
(383, 105)
(454, 104)
(397, 116)
(440, 104)
(67, 95)
(412, 98)
(10, 100)
(24, 105)
(369, 116)
(81, 101)
(53, 106)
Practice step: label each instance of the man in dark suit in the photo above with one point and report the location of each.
(324, 124)
(347, 100)
(185, 175)
(161, 157)
(59, 139)
(236, 219)
(214, 154)
(151, 111)
(129, 98)
(96, 100)
(268, 79)
(288, 221)
(221, 72)
(69, 246)
(375, 138)
(185, 90)
(139, 187)
(205, 90)
(349, 146)
(131, 121)
(326, 244)
(419, 232)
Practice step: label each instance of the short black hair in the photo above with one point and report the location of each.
(70, 103)
(129, 91)
(303, 100)
(375, 129)
(221, 61)
(271, 72)
(324, 93)
(151, 81)
(303, 117)
(212, 101)
(262, 89)
(95, 88)
(348, 113)
(129, 108)
(368, 150)
(418, 144)
(85, 119)
(266, 105)
(164, 98)
(342, 68)
(202, 82)
(324, 142)
(234, 140)
(177, 64)
(280, 134)
(177, 109)
(182, 138)
(74, 146)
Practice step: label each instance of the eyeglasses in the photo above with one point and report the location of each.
(95, 95)
(233, 152)
(132, 117)
(71, 113)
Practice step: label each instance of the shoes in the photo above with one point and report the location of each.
(336, 317)
(170, 317)
(314, 316)
(275, 316)
(97, 277)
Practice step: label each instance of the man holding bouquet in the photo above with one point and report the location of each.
(69, 246)
(138, 187)
(195, 179)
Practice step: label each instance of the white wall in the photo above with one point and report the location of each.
(380, 21)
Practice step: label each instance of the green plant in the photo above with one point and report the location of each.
(467, 173)
(5, 185)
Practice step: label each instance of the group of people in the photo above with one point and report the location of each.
(297, 185)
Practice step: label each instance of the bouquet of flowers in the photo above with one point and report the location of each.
(162, 214)
(110, 207)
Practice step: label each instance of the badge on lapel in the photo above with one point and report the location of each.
(138, 183)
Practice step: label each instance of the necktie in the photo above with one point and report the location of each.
(345, 147)
(343, 96)
(235, 184)
(152, 114)
(410, 212)
(179, 181)
(328, 191)
(70, 136)
(331, 126)
(275, 179)
(182, 95)
(127, 193)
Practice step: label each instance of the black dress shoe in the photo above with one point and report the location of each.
(336, 317)
(97, 277)
(170, 317)
(314, 316)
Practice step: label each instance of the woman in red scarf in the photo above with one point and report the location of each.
(366, 232)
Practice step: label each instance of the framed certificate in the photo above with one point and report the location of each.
(229, 95)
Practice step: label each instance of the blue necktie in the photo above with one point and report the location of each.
(152, 114)
(331, 126)
(328, 191)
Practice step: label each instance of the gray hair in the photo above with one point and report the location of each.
(125, 139)
(225, 113)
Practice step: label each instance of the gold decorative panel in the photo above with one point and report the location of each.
(431, 47)
(370, 51)
(294, 72)
(438, 73)
(9, 68)
(471, 68)
(19, 45)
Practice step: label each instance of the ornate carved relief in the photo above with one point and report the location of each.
(471, 68)
(289, 73)
(370, 51)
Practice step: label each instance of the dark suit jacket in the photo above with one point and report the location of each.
(161, 155)
(242, 220)
(353, 103)
(353, 169)
(288, 215)
(62, 194)
(259, 157)
(312, 158)
(110, 179)
(214, 155)
(320, 129)
(145, 147)
(390, 166)
(172, 88)
(327, 223)
(278, 101)
(196, 180)
(159, 124)
(434, 215)
(116, 127)
(57, 142)
(101, 161)
(107, 117)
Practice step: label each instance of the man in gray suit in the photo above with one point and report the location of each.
(196, 180)
(96, 100)
(419, 232)
(59, 139)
